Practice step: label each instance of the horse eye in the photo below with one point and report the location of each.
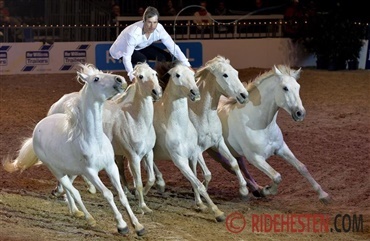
(225, 75)
(285, 88)
(141, 76)
(96, 79)
(177, 76)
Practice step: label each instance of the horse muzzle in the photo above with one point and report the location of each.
(242, 97)
(156, 94)
(299, 114)
(194, 95)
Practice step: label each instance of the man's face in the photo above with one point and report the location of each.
(150, 24)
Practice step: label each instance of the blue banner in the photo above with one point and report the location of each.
(103, 61)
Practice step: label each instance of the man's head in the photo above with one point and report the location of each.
(150, 18)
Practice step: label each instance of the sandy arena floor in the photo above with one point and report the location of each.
(333, 141)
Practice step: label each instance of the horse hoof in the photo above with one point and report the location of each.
(56, 193)
(141, 232)
(268, 190)
(201, 207)
(145, 209)
(123, 231)
(92, 190)
(243, 191)
(244, 198)
(221, 218)
(325, 200)
(161, 189)
(91, 222)
(257, 193)
(78, 214)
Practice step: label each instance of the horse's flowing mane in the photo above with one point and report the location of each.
(88, 69)
(128, 93)
(285, 70)
(215, 63)
(131, 89)
(73, 106)
(162, 69)
(251, 85)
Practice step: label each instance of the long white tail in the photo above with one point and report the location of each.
(26, 158)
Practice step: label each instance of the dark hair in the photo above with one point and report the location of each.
(150, 12)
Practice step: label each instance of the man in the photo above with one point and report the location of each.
(135, 43)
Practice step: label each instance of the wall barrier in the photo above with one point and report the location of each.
(61, 57)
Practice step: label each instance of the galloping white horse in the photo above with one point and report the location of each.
(216, 78)
(251, 131)
(176, 136)
(128, 123)
(73, 143)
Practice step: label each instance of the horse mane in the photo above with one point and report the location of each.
(88, 69)
(73, 112)
(129, 90)
(162, 69)
(212, 64)
(73, 106)
(284, 69)
(252, 84)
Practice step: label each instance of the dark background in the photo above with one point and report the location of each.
(30, 11)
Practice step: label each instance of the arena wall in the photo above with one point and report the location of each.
(61, 57)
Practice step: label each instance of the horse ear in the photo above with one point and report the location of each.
(82, 76)
(277, 71)
(297, 73)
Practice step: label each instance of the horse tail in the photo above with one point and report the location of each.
(26, 158)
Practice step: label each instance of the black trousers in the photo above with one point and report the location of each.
(150, 53)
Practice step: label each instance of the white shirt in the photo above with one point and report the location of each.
(133, 38)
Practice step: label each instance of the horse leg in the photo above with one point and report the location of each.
(206, 172)
(148, 159)
(90, 187)
(260, 162)
(120, 160)
(136, 173)
(160, 183)
(287, 154)
(72, 196)
(183, 165)
(113, 174)
(251, 183)
(193, 163)
(224, 151)
(58, 190)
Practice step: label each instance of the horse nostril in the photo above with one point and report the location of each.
(154, 92)
(243, 95)
(118, 79)
(192, 92)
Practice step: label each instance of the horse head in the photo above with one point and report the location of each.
(103, 85)
(226, 77)
(183, 77)
(147, 80)
(287, 95)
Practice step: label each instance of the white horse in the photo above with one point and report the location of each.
(128, 123)
(74, 143)
(251, 131)
(176, 136)
(216, 78)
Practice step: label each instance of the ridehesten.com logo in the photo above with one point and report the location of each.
(295, 223)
